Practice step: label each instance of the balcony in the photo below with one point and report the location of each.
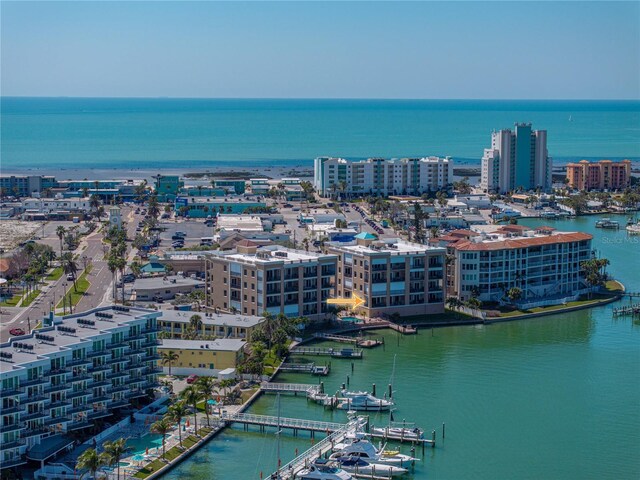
(13, 463)
(150, 330)
(56, 388)
(100, 399)
(78, 394)
(99, 414)
(99, 368)
(78, 425)
(117, 374)
(117, 403)
(148, 358)
(111, 361)
(12, 427)
(80, 378)
(138, 336)
(99, 353)
(55, 372)
(33, 416)
(57, 404)
(101, 383)
(33, 382)
(136, 393)
(132, 380)
(10, 392)
(11, 410)
(113, 345)
(149, 371)
(150, 343)
(35, 398)
(80, 408)
(79, 361)
(310, 273)
(11, 444)
(118, 388)
(32, 432)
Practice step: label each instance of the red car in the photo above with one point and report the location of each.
(16, 332)
(191, 379)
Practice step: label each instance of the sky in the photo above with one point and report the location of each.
(469, 50)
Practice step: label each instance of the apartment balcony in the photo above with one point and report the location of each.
(148, 358)
(99, 414)
(55, 420)
(80, 378)
(57, 404)
(78, 425)
(12, 410)
(272, 290)
(11, 428)
(136, 394)
(33, 416)
(80, 408)
(33, 382)
(138, 366)
(118, 388)
(98, 353)
(120, 344)
(35, 398)
(133, 380)
(135, 351)
(379, 268)
(10, 392)
(150, 330)
(11, 444)
(55, 372)
(153, 370)
(101, 383)
(138, 336)
(100, 399)
(117, 403)
(32, 432)
(289, 288)
(78, 362)
(79, 393)
(99, 368)
(13, 462)
(150, 343)
(112, 361)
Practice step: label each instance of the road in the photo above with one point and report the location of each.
(99, 292)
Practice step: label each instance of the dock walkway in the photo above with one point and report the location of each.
(357, 341)
(311, 368)
(328, 352)
(295, 424)
(627, 310)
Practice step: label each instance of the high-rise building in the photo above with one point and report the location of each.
(391, 276)
(517, 160)
(602, 175)
(252, 280)
(379, 176)
(65, 376)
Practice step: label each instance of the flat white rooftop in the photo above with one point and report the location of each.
(273, 254)
(216, 319)
(245, 223)
(392, 246)
(223, 344)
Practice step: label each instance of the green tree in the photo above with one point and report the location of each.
(594, 271)
(175, 414)
(192, 396)
(514, 294)
(115, 451)
(195, 322)
(169, 358)
(205, 386)
(60, 232)
(162, 427)
(91, 461)
(70, 267)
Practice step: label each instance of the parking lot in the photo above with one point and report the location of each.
(194, 229)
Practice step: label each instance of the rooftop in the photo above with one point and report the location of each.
(240, 222)
(223, 344)
(217, 319)
(501, 241)
(159, 282)
(271, 254)
(393, 246)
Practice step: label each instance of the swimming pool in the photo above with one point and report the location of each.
(351, 319)
(139, 446)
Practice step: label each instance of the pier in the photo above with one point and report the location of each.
(295, 424)
(312, 368)
(633, 309)
(357, 341)
(328, 352)
(294, 388)
(404, 329)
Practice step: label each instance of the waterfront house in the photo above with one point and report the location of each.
(203, 357)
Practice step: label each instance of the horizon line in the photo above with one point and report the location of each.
(164, 97)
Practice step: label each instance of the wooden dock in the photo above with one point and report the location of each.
(312, 368)
(357, 341)
(633, 309)
(294, 388)
(328, 352)
(295, 424)
(404, 329)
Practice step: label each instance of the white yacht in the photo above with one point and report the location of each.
(363, 401)
(399, 432)
(633, 229)
(361, 448)
(323, 469)
(359, 466)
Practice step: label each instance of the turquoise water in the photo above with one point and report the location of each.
(555, 397)
(139, 446)
(178, 133)
(350, 319)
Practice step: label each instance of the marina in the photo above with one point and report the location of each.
(358, 341)
(328, 352)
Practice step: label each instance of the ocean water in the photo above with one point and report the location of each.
(83, 133)
(554, 397)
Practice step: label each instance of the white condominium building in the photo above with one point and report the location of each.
(379, 176)
(543, 264)
(517, 159)
(65, 376)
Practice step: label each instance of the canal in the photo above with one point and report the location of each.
(551, 397)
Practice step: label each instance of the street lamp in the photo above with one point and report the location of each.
(64, 299)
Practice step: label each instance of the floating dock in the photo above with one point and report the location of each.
(627, 310)
(295, 424)
(328, 352)
(312, 368)
(404, 329)
(357, 341)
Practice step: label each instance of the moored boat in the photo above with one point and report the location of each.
(363, 401)
(359, 466)
(323, 469)
(355, 446)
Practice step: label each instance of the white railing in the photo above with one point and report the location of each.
(268, 420)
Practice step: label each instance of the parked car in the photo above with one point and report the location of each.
(16, 332)
(180, 234)
(192, 378)
(129, 278)
(70, 277)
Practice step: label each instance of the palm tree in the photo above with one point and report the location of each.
(176, 413)
(116, 450)
(205, 386)
(70, 267)
(60, 232)
(112, 264)
(92, 461)
(192, 396)
(195, 322)
(162, 427)
(168, 358)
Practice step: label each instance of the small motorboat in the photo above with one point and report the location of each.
(323, 469)
(607, 223)
(633, 229)
(359, 466)
(399, 433)
(363, 401)
(359, 447)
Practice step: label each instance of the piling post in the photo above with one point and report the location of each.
(347, 380)
(344, 387)
(433, 439)
(443, 430)
(352, 367)
(321, 387)
(390, 391)
(373, 389)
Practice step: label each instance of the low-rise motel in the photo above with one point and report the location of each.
(392, 276)
(71, 374)
(203, 357)
(543, 263)
(221, 325)
(275, 279)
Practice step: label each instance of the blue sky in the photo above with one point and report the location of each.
(548, 50)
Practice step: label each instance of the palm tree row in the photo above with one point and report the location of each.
(92, 461)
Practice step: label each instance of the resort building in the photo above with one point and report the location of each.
(378, 176)
(218, 324)
(234, 185)
(602, 175)
(517, 160)
(392, 276)
(275, 279)
(149, 289)
(25, 185)
(167, 187)
(55, 208)
(543, 263)
(203, 207)
(71, 373)
(203, 357)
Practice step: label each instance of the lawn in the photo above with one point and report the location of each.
(171, 454)
(74, 296)
(595, 298)
(55, 274)
(13, 301)
(30, 298)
